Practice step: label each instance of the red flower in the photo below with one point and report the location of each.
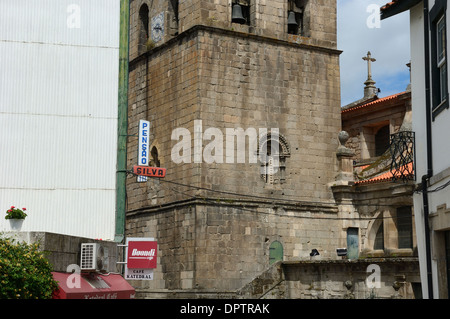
(12, 207)
(24, 208)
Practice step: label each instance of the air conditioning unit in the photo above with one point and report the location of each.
(94, 257)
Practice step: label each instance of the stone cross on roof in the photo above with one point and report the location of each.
(370, 90)
(369, 59)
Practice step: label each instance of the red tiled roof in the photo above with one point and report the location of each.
(378, 101)
(384, 177)
(389, 4)
(397, 6)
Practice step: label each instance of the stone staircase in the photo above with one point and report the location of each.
(270, 284)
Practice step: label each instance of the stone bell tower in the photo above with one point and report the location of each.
(243, 100)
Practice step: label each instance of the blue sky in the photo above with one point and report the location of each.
(388, 43)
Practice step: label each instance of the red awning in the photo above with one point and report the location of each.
(92, 286)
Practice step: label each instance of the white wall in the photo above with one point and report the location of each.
(58, 114)
(441, 131)
(418, 89)
(440, 141)
(418, 126)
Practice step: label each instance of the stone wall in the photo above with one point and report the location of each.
(220, 246)
(214, 222)
(305, 278)
(252, 83)
(64, 250)
(268, 19)
(371, 278)
(376, 278)
(398, 279)
(227, 80)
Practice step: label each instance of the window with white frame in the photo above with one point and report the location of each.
(439, 58)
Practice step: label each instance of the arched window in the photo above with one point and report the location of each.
(378, 243)
(375, 232)
(382, 140)
(143, 28)
(297, 17)
(155, 160)
(273, 152)
(173, 24)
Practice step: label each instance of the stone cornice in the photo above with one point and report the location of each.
(244, 204)
(262, 38)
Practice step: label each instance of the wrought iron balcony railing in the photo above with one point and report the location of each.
(402, 147)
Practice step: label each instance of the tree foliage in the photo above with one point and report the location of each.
(25, 272)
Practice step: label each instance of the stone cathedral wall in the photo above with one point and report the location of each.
(227, 80)
(215, 222)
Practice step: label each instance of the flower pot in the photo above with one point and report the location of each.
(16, 224)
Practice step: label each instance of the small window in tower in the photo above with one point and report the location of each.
(155, 159)
(143, 28)
(241, 12)
(273, 153)
(173, 22)
(271, 165)
(295, 17)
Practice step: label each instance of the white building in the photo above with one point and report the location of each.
(431, 118)
(58, 114)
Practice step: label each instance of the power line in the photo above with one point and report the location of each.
(228, 193)
(242, 196)
(437, 189)
(218, 202)
(258, 197)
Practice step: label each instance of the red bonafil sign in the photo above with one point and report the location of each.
(141, 254)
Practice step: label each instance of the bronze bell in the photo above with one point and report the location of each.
(236, 15)
(291, 19)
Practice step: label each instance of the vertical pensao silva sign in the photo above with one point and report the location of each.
(143, 147)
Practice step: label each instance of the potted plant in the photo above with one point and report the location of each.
(16, 217)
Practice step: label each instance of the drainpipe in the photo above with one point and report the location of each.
(122, 124)
(427, 235)
(429, 174)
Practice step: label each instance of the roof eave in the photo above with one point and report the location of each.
(398, 7)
